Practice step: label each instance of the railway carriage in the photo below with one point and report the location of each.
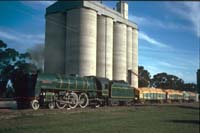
(174, 95)
(190, 96)
(150, 95)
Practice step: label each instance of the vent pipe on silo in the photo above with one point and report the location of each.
(122, 7)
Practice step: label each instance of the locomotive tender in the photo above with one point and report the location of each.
(72, 91)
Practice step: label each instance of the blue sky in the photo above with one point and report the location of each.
(169, 32)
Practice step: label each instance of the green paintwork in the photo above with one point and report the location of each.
(121, 90)
(105, 92)
(63, 82)
(153, 96)
(175, 96)
(49, 96)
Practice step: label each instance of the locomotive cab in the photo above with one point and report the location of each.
(102, 86)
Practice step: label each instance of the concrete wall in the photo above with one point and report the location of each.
(81, 42)
(134, 82)
(55, 43)
(129, 54)
(119, 52)
(129, 48)
(104, 46)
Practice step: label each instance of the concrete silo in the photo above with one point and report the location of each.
(134, 77)
(55, 38)
(104, 46)
(81, 42)
(129, 48)
(119, 52)
(129, 52)
(88, 38)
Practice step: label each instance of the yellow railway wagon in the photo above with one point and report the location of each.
(174, 95)
(189, 96)
(193, 96)
(150, 94)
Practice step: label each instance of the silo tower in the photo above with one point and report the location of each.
(87, 38)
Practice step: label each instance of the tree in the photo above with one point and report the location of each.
(144, 77)
(190, 87)
(166, 81)
(12, 61)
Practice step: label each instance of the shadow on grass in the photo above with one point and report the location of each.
(188, 107)
(6, 108)
(185, 121)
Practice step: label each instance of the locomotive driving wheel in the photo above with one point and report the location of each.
(35, 104)
(51, 105)
(73, 100)
(60, 103)
(83, 100)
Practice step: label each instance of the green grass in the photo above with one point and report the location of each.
(145, 119)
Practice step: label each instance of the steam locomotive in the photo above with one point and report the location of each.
(61, 91)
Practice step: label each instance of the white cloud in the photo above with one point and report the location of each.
(144, 36)
(138, 20)
(7, 36)
(20, 40)
(194, 15)
(188, 11)
(169, 65)
(153, 69)
(46, 3)
(153, 22)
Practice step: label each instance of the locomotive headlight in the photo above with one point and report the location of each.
(136, 98)
(42, 93)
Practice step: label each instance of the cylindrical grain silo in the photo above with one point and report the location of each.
(81, 42)
(119, 52)
(129, 48)
(134, 76)
(129, 52)
(104, 46)
(55, 43)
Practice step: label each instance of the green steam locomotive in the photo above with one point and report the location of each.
(62, 91)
